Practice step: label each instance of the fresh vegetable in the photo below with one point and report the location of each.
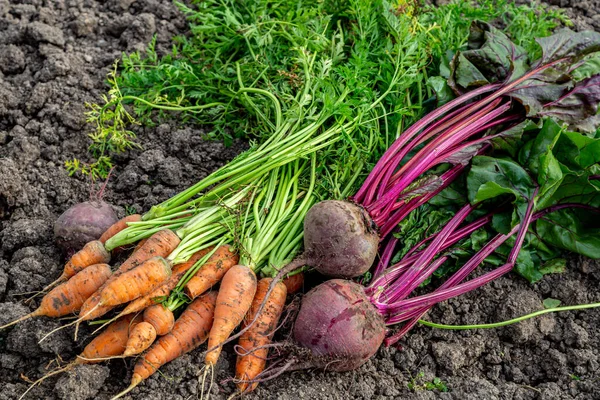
(136, 282)
(190, 331)
(68, 297)
(159, 244)
(211, 272)
(92, 253)
(294, 283)
(164, 290)
(237, 290)
(109, 343)
(454, 134)
(119, 226)
(343, 335)
(340, 239)
(83, 223)
(160, 317)
(140, 338)
(253, 344)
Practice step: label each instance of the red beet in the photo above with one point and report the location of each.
(83, 223)
(340, 239)
(339, 325)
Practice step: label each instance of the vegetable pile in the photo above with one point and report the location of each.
(491, 158)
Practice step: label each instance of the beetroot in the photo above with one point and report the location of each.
(83, 223)
(340, 239)
(339, 325)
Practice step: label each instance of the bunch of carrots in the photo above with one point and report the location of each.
(146, 276)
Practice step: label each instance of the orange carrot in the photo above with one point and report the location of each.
(160, 317)
(136, 282)
(140, 338)
(160, 244)
(294, 283)
(233, 301)
(68, 297)
(111, 342)
(119, 226)
(165, 289)
(190, 331)
(139, 245)
(253, 342)
(92, 253)
(211, 273)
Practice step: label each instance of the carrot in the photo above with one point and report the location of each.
(92, 253)
(233, 301)
(69, 296)
(254, 341)
(165, 289)
(139, 245)
(160, 317)
(162, 243)
(219, 257)
(212, 272)
(140, 338)
(190, 331)
(136, 282)
(119, 226)
(111, 342)
(294, 283)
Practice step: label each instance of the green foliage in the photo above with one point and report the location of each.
(290, 50)
(418, 383)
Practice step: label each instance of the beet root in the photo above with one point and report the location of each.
(83, 223)
(339, 325)
(340, 239)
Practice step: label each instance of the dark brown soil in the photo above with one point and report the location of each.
(54, 56)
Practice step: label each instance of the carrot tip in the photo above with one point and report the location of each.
(135, 380)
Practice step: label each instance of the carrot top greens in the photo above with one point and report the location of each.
(320, 91)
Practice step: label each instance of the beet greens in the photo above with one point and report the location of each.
(507, 171)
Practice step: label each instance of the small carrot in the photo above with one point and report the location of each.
(160, 317)
(233, 302)
(165, 289)
(112, 341)
(212, 271)
(190, 331)
(119, 226)
(254, 341)
(294, 283)
(109, 343)
(136, 282)
(162, 243)
(121, 289)
(140, 338)
(68, 297)
(92, 253)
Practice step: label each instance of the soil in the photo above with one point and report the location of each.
(54, 56)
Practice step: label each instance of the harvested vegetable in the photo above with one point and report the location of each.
(83, 223)
(68, 297)
(233, 302)
(92, 253)
(119, 226)
(140, 338)
(253, 344)
(190, 331)
(109, 343)
(160, 317)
